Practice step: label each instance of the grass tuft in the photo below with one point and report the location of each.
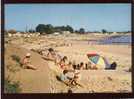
(16, 58)
(11, 87)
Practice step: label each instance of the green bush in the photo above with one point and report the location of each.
(11, 87)
(16, 58)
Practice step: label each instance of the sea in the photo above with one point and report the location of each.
(124, 39)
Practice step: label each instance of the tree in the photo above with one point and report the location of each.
(76, 31)
(45, 28)
(49, 29)
(104, 31)
(40, 28)
(82, 30)
(63, 28)
(69, 28)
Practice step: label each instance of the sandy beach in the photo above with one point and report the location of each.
(75, 47)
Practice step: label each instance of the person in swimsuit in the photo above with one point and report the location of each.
(26, 64)
(63, 62)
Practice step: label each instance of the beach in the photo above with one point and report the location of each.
(75, 47)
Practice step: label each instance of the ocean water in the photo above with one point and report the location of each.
(125, 39)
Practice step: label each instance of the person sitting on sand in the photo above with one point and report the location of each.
(63, 62)
(77, 66)
(87, 65)
(74, 64)
(70, 66)
(26, 62)
(64, 78)
(76, 79)
(113, 65)
(81, 67)
(93, 67)
(58, 58)
(110, 66)
(51, 54)
(71, 77)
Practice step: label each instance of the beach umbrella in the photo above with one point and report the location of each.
(98, 60)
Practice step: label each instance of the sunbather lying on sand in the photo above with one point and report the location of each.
(109, 66)
(26, 62)
(51, 55)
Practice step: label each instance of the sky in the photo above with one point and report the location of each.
(91, 17)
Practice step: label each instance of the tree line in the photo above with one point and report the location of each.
(49, 29)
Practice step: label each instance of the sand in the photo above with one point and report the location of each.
(31, 81)
(75, 47)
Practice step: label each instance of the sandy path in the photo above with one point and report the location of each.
(34, 81)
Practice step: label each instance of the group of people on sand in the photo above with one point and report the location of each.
(69, 75)
(64, 63)
(70, 70)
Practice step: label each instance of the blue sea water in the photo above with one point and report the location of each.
(125, 39)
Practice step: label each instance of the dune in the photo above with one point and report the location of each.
(31, 81)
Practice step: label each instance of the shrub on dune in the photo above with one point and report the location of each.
(11, 87)
(16, 58)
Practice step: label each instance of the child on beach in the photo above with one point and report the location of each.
(26, 62)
